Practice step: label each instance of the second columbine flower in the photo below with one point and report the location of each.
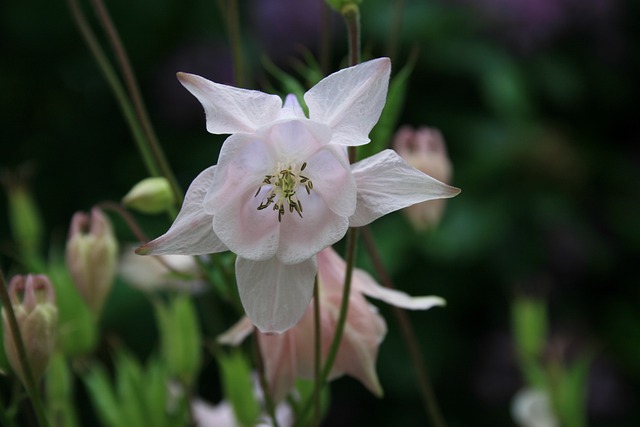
(283, 188)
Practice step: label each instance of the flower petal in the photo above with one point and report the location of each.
(387, 183)
(280, 363)
(364, 283)
(237, 333)
(275, 295)
(330, 172)
(230, 109)
(350, 101)
(303, 237)
(291, 109)
(191, 233)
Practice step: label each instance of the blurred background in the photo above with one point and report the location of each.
(535, 99)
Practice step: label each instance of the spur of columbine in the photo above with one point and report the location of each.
(283, 188)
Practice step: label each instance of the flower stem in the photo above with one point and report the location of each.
(236, 44)
(29, 379)
(428, 397)
(317, 352)
(116, 87)
(351, 15)
(262, 378)
(396, 26)
(134, 92)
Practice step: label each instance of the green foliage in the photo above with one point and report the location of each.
(238, 387)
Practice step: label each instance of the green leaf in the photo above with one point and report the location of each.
(529, 324)
(103, 397)
(238, 387)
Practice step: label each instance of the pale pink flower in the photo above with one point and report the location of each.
(290, 355)
(424, 149)
(283, 188)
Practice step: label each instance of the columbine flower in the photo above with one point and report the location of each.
(283, 188)
(291, 355)
(425, 150)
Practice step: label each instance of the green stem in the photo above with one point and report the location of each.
(325, 39)
(29, 379)
(116, 87)
(134, 92)
(317, 352)
(262, 378)
(351, 15)
(236, 44)
(409, 336)
(396, 26)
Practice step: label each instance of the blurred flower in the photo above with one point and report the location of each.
(150, 196)
(425, 150)
(221, 415)
(91, 253)
(532, 408)
(176, 272)
(37, 318)
(291, 355)
(283, 188)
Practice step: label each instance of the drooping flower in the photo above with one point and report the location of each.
(91, 255)
(290, 355)
(425, 150)
(37, 318)
(283, 188)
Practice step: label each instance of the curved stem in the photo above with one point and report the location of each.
(29, 379)
(116, 87)
(409, 336)
(317, 352)
(236, 44)
(136, 97)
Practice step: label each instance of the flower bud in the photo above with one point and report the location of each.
(150, 196)
(425, 150)
(37, 318)
(92, 252)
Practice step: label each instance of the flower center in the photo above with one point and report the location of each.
(284, 184)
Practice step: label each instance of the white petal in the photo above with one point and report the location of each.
(275, 295)
(291, 108)
(387, 183)
(303, 237)
(237, 333)
(350, 101)
(191, 233)
(364, 283)
(330, 172)
(230, 109)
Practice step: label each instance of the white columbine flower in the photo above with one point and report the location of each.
(283, 188)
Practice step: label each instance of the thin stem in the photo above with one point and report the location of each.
(325, 38)
(396, 26)
(29, 379)
(409, 336)
(317, 352)
(262, 378)
(136, 97)
(351, 15)
(116, 87)
(236, 45)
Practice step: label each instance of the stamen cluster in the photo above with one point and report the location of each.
(284, 185)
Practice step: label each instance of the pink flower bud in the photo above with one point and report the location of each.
(37, 317)
(425, 150)
(92, 252)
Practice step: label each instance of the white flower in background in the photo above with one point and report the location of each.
(532, 408)
(177, 272)
(283, 188)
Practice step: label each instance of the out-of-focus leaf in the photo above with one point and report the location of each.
(238, 387)
(103, 397)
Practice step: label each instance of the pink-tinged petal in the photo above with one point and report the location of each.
(237, 333)
(294, 141)
(303, 237)
(387, 183)
(280, 363)
(229, 109)
(275, 295)
(350, 101)
(330, 172)
(191, 233)
(247, 231)
(364, 283)
(364, 331)
(291, 109)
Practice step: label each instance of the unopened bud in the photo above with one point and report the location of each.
(425, 150)
(92, 252)
(37, 318)
(150, 196)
